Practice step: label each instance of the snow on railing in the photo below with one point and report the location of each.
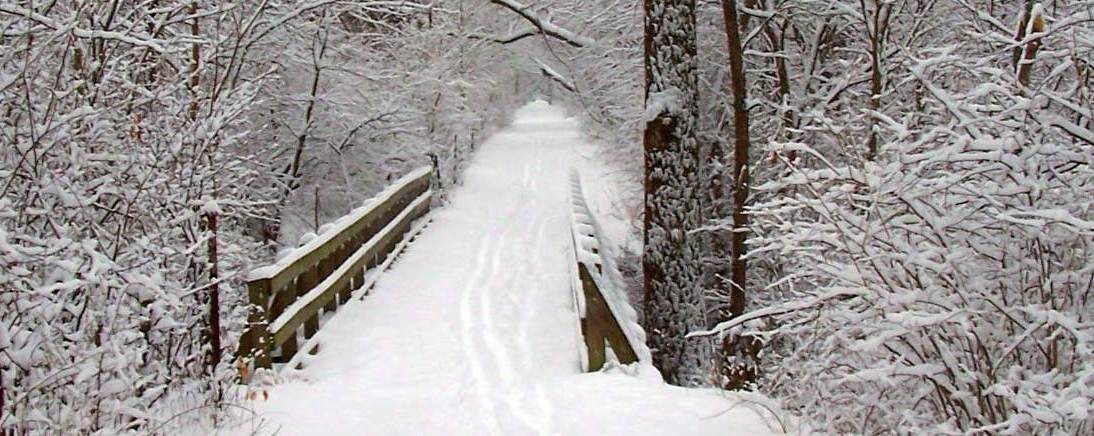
(325, 271)
(340, 226)
(608, 323)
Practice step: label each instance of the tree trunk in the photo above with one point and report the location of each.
(671, 263)
(737, 372)
(214, 293)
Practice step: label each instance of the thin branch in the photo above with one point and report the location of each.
(555, 76)
(545, 26)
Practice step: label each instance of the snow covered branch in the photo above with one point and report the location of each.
(507, 39)
(556, 76)
(544, 25)
(80, 32)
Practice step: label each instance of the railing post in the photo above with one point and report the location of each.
(256, 344)
(327, 266)
(358, 281)
(346, 292)
(288, 349)
(355, 281)
(304, 283)
(603, 329)
(280, 300)
(594, 338)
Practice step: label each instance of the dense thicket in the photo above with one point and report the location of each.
(935, 266)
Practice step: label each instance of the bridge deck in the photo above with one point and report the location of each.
(472, 331)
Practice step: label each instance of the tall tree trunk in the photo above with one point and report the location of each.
(736, 372)
(214, 293)
(671, 263)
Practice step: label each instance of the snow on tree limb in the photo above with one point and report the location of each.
(544, 25)
(556, 76)
(82, 33)
(507, 39)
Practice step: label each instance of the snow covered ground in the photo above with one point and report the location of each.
(472, 331)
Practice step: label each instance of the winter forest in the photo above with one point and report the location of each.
(814, 216)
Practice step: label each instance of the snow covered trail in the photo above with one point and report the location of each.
(472, 330)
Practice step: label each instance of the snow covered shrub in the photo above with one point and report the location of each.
(111, 167)
(945, 287)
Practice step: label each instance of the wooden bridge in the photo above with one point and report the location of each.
(288, 299)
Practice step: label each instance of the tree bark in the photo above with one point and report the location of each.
(671, 263)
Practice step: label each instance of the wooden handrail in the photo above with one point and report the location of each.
(605, 321)
(324, 273)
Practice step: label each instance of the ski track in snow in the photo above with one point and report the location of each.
(471, 332)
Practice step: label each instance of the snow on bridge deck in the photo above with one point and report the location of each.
(472, 331)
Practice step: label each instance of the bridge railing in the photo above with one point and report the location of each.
(324, 273)
(608, 323)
